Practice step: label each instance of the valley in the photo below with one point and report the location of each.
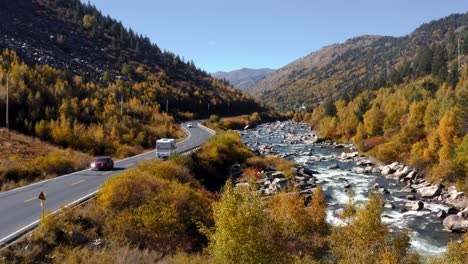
(339, 138)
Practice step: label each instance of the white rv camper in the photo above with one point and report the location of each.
(165, 147)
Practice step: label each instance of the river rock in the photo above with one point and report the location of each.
(410, 176)
(359, 170)
(420, 185)
(417, 206)
(383, 191)
(452, 211)
(389, 206)
(456, 224)
(408, 188)
(402, 172)
(386, 170)
(351, 155)
(308, 172)
(456, 195)
(430, 191)
(364, 162)
(307, 186)
(441, 214)
(333, 166)
(394, 166)
(464, 214)
(299, 178)
(274, 175)
(411, 197)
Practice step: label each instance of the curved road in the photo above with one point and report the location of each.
(20, 209)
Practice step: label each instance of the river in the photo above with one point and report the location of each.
(424, 227)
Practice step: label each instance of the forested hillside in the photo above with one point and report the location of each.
(82, 80)
(424, 124)
(342, 71)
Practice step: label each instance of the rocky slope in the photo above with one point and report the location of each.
(244, 78)
(343, 70)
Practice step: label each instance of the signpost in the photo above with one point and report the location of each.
(42, 198)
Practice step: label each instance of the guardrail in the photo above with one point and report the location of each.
(209, 130)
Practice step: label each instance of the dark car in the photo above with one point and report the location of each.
(102, 163)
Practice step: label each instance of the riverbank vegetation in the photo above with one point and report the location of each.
(423, 124)
(242, 121)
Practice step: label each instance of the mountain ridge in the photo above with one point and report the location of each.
(243, 78)
(362, 62)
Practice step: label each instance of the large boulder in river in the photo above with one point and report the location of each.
(456, 223)
(430, 191)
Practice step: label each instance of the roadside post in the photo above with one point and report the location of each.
(42, 198)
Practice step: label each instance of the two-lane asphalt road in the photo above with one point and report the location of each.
(20, 208)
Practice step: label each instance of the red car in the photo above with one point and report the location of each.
(102, 163)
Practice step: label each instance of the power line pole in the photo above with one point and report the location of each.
(458, 54)
(121, 105)
(7, 102)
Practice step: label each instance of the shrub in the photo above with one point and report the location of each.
(242, 233)
(214, 118)
(217, 155)
(168, 170)
(251, 174)
(367, 240)
(17, 174)
(150, 209)
(302, 229)
(390, 151)
(124, 151)
(55, 163)
(277, 163)
(372, 142)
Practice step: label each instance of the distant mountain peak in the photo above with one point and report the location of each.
(243, 78)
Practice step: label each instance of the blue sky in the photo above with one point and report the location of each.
(231, 34)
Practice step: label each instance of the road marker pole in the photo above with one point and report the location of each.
(42, 198)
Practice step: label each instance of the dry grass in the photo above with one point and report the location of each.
(18, 151)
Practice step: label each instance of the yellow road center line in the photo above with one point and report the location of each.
(75, 183)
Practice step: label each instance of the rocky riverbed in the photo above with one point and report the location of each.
(428, 212)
